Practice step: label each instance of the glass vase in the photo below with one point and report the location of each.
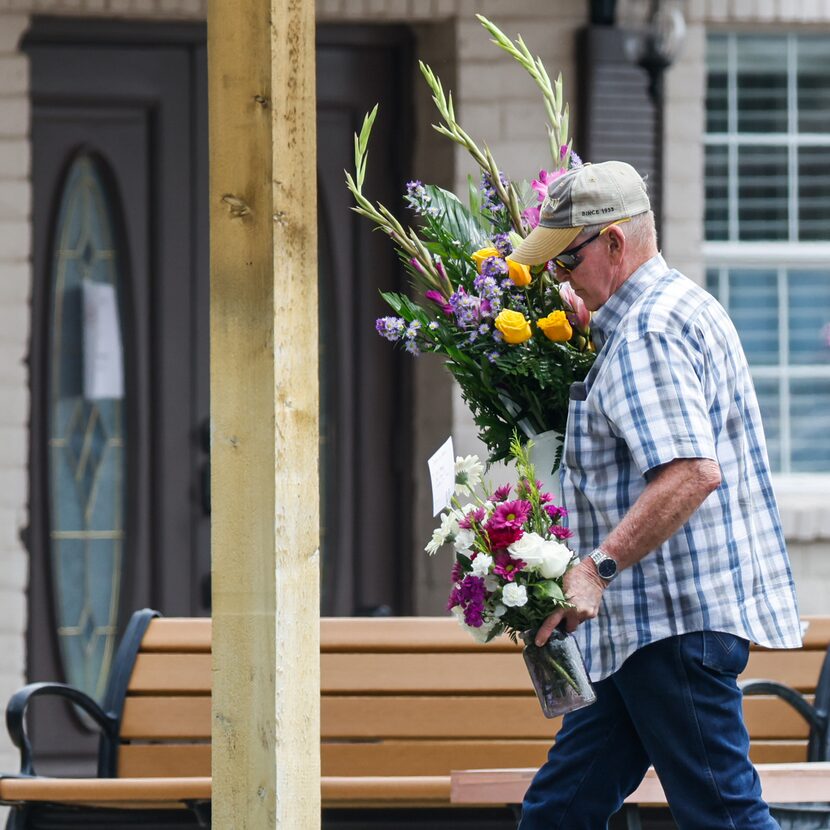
(558, 673)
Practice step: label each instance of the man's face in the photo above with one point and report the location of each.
(594, 279)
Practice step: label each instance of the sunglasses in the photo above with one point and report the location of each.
(570, 259)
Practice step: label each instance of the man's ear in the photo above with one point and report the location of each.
(616, 242)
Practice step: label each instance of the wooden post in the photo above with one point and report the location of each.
(264, 401)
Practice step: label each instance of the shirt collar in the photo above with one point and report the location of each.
(606, 318)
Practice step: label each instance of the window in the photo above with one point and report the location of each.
(767, 226)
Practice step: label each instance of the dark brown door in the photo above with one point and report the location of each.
(119, 348)
(365, 414)
(119, 498)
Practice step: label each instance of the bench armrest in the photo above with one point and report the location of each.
(16, 716)
(817, 720)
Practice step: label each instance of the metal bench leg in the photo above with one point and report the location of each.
(201, 809)
(17, 819)
(631, 815)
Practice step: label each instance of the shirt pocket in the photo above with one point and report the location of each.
(590, 445)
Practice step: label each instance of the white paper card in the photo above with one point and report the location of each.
(442, 474)
(103, 355)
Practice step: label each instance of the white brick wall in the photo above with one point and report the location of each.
(150, 9)
(15, 278)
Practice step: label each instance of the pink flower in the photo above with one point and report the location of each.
(438, 297)
(532, 215)
(510, 514)
(561, 533)
(501, 494)
(580, 314)
(556, 513)
(546, 178)
(506, 566)
(474, 517)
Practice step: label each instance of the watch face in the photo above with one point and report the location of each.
(607, 568)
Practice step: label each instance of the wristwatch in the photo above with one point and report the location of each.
(606, 566)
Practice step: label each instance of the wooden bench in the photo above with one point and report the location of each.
(787, 716)
(404, 702)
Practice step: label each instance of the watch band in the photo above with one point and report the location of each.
(606, 566)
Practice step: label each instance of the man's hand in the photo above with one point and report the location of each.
(583, 588)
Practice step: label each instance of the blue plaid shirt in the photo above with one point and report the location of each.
(671, 381)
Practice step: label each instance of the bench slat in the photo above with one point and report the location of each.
(439, 757)
(166, 718)
(463, 673)
(101, 790)
(178, 634)
(791, 783)
(171, 673)
(125, 792)
(173, 717)
(361, 634)
(520, 716)
(153, 760)
(480, 673)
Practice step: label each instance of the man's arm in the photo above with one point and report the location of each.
(670, 498)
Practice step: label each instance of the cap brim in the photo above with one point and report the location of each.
(543, 244)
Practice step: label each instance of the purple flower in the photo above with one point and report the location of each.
(418, 199)
(412, 347)
(467, 308)
(503, 244)
(490, 201)
(561, 533)
(457, 572)
(471, 595)
(392, 328)
(494, 266)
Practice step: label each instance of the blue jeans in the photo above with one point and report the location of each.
(674, 704)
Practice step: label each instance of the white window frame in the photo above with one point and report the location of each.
(803, 497)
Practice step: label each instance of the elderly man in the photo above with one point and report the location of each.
(666, 479)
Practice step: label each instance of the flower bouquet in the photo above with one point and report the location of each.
(510, 557)
(512, 336)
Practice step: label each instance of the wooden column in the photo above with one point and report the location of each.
(264, 402)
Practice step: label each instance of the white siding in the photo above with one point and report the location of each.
(15, 278)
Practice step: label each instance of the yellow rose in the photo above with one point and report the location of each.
(481, 255)
(520, 274)
(514, 326)
(556, 327)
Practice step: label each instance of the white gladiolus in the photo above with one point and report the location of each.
(481, 564)
(547, 557)
(513, 595)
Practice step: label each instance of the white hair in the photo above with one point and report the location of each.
(639, 230)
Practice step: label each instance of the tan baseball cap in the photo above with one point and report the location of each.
(592, 194)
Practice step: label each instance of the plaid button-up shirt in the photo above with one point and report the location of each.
(671, 381)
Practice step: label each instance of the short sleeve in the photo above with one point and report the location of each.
(655, 402)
